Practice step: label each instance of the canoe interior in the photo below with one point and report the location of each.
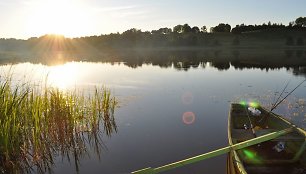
(268, 157)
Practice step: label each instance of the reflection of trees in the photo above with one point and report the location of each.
(299, 71)
(299, 53)
(185, 65)
(221, 59)
(221, 65)
(184, 59)
(289, 53)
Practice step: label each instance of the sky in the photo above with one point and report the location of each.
(23, 19)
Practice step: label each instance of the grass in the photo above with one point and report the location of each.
(38, 123)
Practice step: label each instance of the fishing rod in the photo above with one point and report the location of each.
(287, 95)
(275, 105)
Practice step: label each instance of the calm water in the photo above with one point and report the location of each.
(166, 114)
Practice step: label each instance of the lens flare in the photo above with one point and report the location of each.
(254, 104)
(243, 103)
(188, 118)
(251, 156)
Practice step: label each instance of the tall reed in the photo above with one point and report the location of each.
(38, 123)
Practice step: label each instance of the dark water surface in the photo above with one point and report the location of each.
(168, 114)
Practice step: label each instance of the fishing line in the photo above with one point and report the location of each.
(287, 95)
(282, 100)
(281, 94)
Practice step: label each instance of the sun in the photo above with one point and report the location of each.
(70, 18)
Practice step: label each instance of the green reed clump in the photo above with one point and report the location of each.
(38, 123)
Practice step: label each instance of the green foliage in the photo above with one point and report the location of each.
(181, 35)
(236, 41)
(131, 31)
(299, 53)
(186, 28)
(195, 29)
(216, 43)
(162, 31)
(204, 29)
(300, 41)
(301, 21)
(178, 29)
(221, 28)
(37, 124)
(289, 41)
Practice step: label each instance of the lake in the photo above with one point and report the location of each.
(167, 113)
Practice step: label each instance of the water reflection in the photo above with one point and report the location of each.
(151, 121)
(63, 76)
(299, 70)
(187, 98)
(179, 59)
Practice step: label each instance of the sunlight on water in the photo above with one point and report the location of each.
(80, 74)
(63, 76)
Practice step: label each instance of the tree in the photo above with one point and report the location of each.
(132, 31)
(269, 23)
(211, 29)
(167, 30)
(301, 21)
(300, 41)
(204, 29)
(289, 40)
(182, 29)
(162, 31)
(186, 28)
(221, 28)
(236, 41)
(216, 43)
(155, 32)
(178, 29)
(195, 29)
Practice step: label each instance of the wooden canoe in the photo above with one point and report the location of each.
(285, 154)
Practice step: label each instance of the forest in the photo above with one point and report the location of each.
(267, 37)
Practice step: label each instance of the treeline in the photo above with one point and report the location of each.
(298, 24)
(177, 37)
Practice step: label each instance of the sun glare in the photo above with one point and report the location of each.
(70, 18)
(63, 76)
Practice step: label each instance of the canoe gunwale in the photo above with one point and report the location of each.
(237, 164)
